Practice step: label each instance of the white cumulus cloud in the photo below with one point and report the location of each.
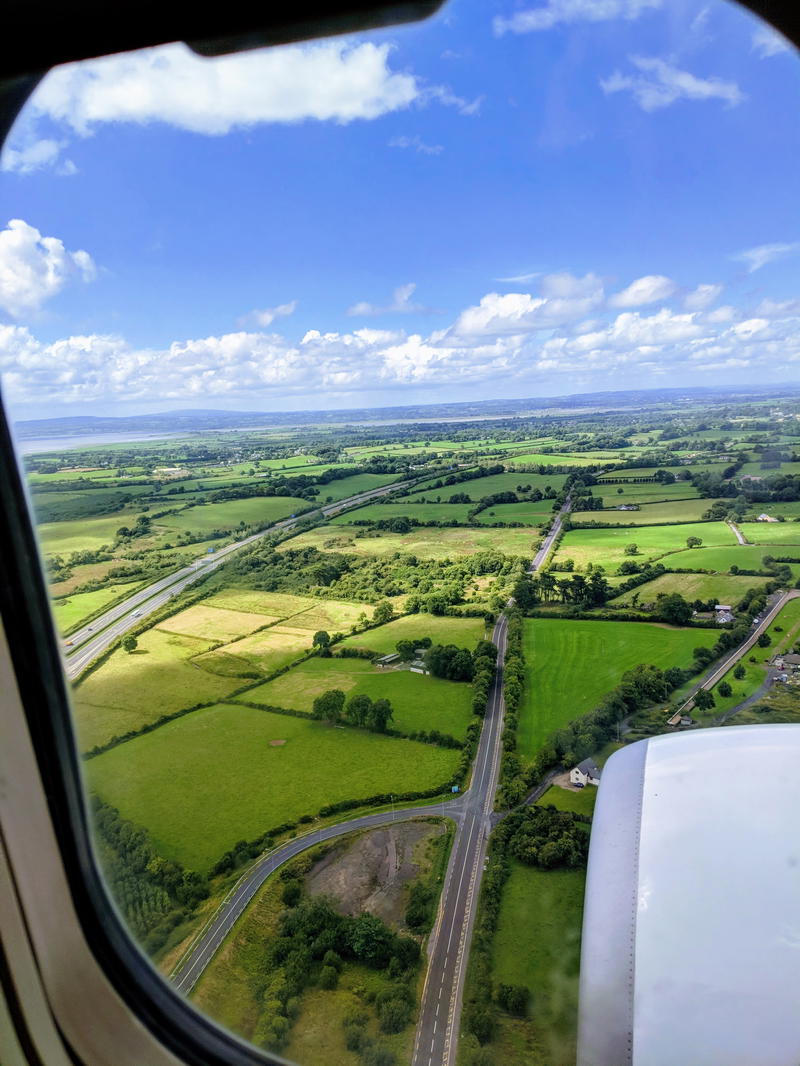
(760, 256)
(508, 343)
(34, 268)
(335, 80)
(702, 297)
(556, 12)
(646, 290)
(659, 84)
(36, 155)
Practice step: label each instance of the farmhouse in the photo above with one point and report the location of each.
(585, 773)
(766, 518)
(724, 612)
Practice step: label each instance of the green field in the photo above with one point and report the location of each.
(606, 547)
(202, 782)
(259, 510)
(352, 486)
(757, 470)
(725, 588)
(570, 664)
(673, 511)
(580, 802)
(427, 543)
(419, 701)
(463, 632)
(537, 944)
(645, 492)
(744, 556)
(542, 459)
(84, 534)
(423, 512)
(213, 623)
(488, 486)
(129, 691)
(259, 654)
(531, 514)
(70, 611)
(771, 533)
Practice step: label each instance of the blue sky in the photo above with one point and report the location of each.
(514, 199)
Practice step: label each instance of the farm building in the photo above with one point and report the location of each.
(585, 773)
(388, 660)
(766, 518)
(724, 612)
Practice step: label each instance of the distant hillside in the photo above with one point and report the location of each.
(194, 420)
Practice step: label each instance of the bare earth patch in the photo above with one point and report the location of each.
(371, 873)
(277, 743)
(563, 781)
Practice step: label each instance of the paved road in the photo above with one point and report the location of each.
(724, 666)
(96, 637)
(207, 942)
(549, 540)
(448, 951)
(438, 1027)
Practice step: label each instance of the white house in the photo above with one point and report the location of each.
(585, 773)
(724, 612)
(763, 517)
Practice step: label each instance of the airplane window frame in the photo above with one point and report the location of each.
(183, 1031)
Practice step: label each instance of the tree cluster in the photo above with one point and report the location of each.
(154, 894)
(359, 710)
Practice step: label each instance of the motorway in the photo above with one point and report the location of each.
(438, 1027)
(95, 638)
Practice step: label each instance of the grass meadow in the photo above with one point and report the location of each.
(672, 511)
(531, 514)
(745, 556)
(260, 653)
(580, 802)
(213, 623)
(537, 944)
(427, 543)
(488, 486)
(725, 588)
(646, 492)
(70, 611)
(203, 782)
(423, 512)
(351, 486)
(570, 664)
(129, 691)
(463, 632)
(204, 518)
(772, 533)
(419, 701)
(83, 534)
(606, 547)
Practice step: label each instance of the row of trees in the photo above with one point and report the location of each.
(360, 710)
(585, 592)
